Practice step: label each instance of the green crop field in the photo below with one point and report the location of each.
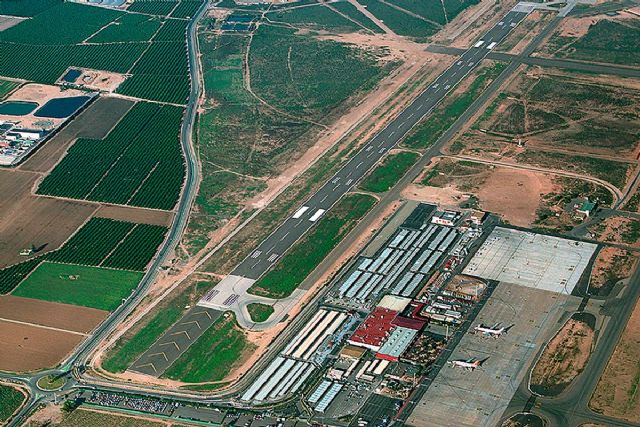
(101, 241)
(63, 24)
(260, 312)
(389, 172)
(26, 8)
(153, 7)
(7, 86)
(27, 59)
(139, 163)
(10, 400)
(94, 287)
(93, 242)
(186, 9)
(307, 253)
(429, 129)
(138, 339)
(128, 28)
(172, 30)
(213, 355)
(137, 249)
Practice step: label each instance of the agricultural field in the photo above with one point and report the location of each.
(10, 400)
(93, 287)
(113, 248)
(220, 348)
(260, 312)
(126, 171)
(292, 86)
(116, 41)
(7, 86)
(389, 172)
(26, 8)
(144, 333)
(153, 7)
(427, 132)
(63, 24)
(128, 28)
(306, 254)
(601, 38)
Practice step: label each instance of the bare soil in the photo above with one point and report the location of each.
(616, 393)
(514, 194)
(27, 220)
(53, 314)
(563, 359)
(133, 214)
(9, 21)
(29, 348)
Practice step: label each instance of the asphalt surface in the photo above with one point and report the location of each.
(571, 408)
(272, 248)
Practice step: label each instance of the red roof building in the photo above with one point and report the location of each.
(406, 322)
(375, 329)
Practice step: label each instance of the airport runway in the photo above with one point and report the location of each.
(272, 248)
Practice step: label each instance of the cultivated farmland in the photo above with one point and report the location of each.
(100, 242)
(93, 287)
(127, 171)
(10, 400)
(128, 28)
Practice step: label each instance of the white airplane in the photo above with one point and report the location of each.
(469, 364)
(490, 331)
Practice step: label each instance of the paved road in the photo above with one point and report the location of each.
(271, 249)
(571, 408)
(570, 64)
(192, 177)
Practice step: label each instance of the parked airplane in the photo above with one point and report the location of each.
(469, 364)
(491, 331)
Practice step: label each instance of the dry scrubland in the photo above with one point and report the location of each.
(616, 393)
(564, 357)
(573, 122)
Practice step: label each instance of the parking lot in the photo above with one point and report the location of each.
(529, 259)
(459, 397)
